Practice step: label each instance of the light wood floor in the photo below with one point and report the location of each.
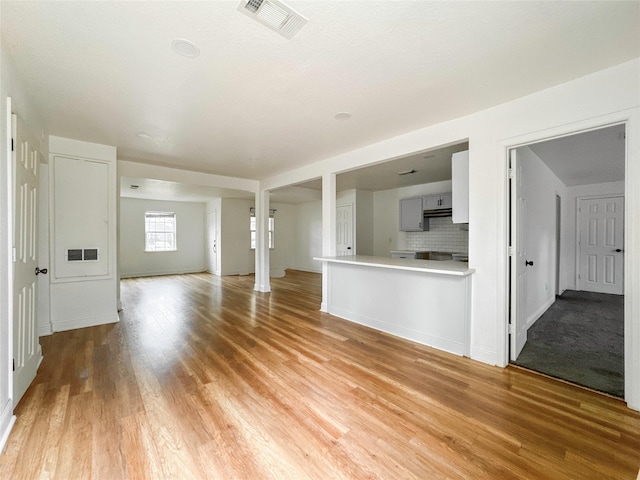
(204, 378)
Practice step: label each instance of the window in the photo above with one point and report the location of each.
(272, 228)
(160, 231)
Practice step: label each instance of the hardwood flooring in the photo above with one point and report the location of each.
(205, 378)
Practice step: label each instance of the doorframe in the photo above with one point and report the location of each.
(577, 244)
(558, 259)
(7, 418)
(631, 119)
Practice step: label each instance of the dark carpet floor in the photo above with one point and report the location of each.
(580, 338)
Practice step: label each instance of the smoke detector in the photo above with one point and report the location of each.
(275, 15)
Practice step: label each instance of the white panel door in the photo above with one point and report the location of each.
(212, 242)
(519, 261)
(344, 230)
(601, 247)
(26, 350)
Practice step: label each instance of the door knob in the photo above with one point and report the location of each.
(43, 271)
(618, 250)
(528, 263)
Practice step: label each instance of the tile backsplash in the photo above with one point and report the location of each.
(443, 236)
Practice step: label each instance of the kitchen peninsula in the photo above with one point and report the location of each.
(421, 300)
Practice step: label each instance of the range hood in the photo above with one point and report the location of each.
(438, 212)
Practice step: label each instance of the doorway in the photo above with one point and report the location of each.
(344, 230)
(212, 242)
(566, 257)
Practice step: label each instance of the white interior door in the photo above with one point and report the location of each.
(212, 241)
(26, 350)
(518, 256)
(601, 247)
(344, 230)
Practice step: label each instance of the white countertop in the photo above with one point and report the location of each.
(427, 266)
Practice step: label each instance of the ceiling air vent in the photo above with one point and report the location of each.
(275, 15)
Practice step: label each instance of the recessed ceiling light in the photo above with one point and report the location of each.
(342, 116)
(144, 135)
(407, 172)
(185, 48)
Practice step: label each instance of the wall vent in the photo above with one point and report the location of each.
(83, 255)
(275, 15)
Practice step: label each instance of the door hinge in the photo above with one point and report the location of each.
(511, 173)
(511, 329)
(511, 251)
(13, 253)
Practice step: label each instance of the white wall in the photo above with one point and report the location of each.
(541, 188)
(364, 222)
(283, 256)
(190, 239)
(82, 198)
(308, 237)
(237, 258)
(601, 98)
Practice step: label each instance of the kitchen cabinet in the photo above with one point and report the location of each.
(411, 215)
(460, 186)
(437, 202)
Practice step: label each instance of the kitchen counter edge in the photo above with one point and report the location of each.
(427, 266)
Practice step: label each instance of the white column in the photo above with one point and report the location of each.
(262, 242)
(328, 232)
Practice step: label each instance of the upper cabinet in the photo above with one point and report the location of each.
(460, 186)
(412, 216)
(437, 202)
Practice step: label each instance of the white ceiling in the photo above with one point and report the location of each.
(255, 104)
(596, 156)
(162, 190)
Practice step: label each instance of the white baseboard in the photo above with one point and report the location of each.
(64, 325)
(310, 270)
(277, 272)
(7, 420)
(483, 354)
(159, 274)
(44, 330)
(533, 318)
